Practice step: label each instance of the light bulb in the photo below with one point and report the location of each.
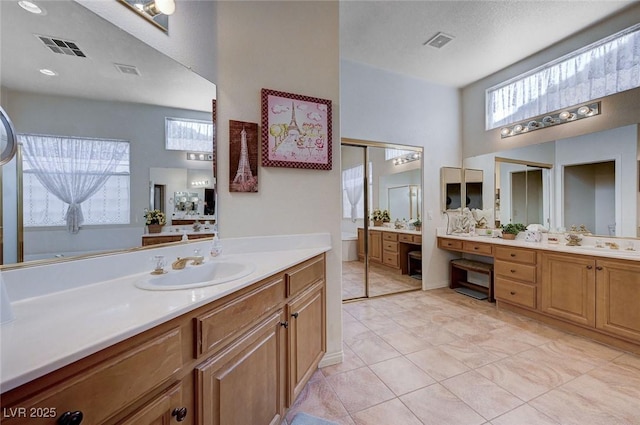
(583, 110)
(505, 132)
(166, 7)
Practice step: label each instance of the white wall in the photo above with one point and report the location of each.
(290, 47)
(385, 107)
(618, 110)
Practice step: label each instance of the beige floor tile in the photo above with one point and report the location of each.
(318, 399)
(438, 364)
(359, 389)
(354, 331)
(591, 349)
(499, 343)
(525, 378)
(481, 394)
(404, 341)
(434, 334)
(524, 415)
(401, 376)
(381, 324)
(470, 354)
(350, 361)
(392, 412)
(435, 405)
(373, 350)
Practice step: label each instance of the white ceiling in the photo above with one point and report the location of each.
(488, 35)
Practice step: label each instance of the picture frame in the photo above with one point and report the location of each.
(243, 156)
(296, 131)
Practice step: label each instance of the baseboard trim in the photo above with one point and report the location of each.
(331, 358)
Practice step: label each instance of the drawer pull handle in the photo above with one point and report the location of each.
(512, 292)
(599, 268)
(512, 271)
(284, 324)
(295, 315)
(589, 267)
(475, 247)
(180, 413)
(513, 255)
(70, 418)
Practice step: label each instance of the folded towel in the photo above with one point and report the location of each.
(304, 419)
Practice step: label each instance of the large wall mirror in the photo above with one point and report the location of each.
(104, 84)
(590, 179)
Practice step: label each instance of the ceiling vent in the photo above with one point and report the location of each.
(63, 47)
(127, 69)
(439, 40)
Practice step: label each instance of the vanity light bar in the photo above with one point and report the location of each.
(199, 156)
(549, 120)
(406, 158)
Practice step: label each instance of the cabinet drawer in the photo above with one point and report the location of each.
(452, 244)
(391, 259)
(403, 237)
(515, 254)
(307, 273)
(417, 239)
(389, 236)
(109, 387)
(518, 271)
(222, 324)
(515, 292)
(157, 411)
(476, 248)
(390, 246)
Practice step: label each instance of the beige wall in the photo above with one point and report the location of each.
(618, 110)
(290, 47)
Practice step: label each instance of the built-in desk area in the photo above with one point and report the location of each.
(390, 247)
(166, 237)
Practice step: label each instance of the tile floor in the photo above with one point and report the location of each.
(438, 357)
(382, 280)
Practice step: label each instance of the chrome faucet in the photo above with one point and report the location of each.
(180, 263)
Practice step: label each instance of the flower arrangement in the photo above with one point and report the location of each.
(155, 217)
(380, 215)
(513, 228)
(417, 223)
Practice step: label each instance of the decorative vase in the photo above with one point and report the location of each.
(508, 236)
(418, 228)
(377, 223)
(155, 228)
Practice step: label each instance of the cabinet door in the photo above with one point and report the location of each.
(165, 409)
(618, 298)
(245, 383)
(375, 246)
(306, 337)
(568, 288)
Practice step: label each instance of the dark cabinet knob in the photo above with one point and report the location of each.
(475, 247)
(512, 292)
(513, 255)
(295, 315)
(180, 413)
(589, 267)
(512, 271)
(599, 268)
(70, 418)
(284, 324)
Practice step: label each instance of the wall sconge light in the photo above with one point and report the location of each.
(406, 158)
(155, 11)
(549, 120)
(199, 156)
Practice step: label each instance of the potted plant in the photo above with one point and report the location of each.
(379, 217)
(417, 224)
(155, 219)
(511, 230)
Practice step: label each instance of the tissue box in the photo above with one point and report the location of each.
(533, 236)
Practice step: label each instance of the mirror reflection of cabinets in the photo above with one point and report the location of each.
(92, 98)
(590, 179)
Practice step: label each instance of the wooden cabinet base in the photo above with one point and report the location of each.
(570, 327)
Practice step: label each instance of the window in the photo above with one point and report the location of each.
(188, 135)
(395, 153)
(352, 189)
(609, 66)
(57, 168)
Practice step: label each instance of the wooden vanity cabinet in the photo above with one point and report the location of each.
(516, 276)
(241, 360)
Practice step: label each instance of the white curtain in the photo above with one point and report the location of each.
(608, 67)
(72, 169)
(188, 135)
(353, 184)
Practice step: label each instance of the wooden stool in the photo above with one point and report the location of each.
(417, 256)
(459, 269)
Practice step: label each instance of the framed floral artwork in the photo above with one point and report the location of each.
(296, 131)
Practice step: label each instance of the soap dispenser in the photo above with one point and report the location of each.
(216, 246)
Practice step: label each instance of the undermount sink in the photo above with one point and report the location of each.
(212, 272)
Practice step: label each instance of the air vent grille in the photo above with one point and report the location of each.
(62, 47)
(439, 40)
(127, 69)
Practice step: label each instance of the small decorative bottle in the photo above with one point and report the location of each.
(216, 246)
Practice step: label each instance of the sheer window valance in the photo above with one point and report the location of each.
(188, 135)
(63, 175)
(609, 66)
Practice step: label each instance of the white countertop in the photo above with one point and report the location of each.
(57, 328)
(588, 247)
(390, 229)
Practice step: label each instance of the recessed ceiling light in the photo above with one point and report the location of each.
(48, 72)
(31, 7)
